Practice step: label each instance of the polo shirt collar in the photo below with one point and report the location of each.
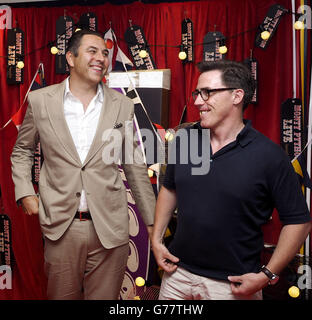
(245, 136)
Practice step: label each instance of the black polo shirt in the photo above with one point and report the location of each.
(220, 214)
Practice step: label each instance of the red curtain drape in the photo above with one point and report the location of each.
(237, 20)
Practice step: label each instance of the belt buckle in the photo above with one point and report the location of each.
(80, 216)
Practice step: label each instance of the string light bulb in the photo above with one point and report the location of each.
(294, 292)
(143, 53)
(78, 29)
(139, 281)
(54, 50)
(223, 49)
(150, 173)
(169, 135)
(182, 55)
(20, 65)
(265, 35)
(299, 25)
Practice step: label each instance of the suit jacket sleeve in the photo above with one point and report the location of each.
(22, 157)
(139, 183)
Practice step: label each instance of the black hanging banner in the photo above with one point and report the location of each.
(64, 30)
(211, 46)
(6, 251)
(187, 39)
(88, 21)
(136, 41)
(252, 65)
(292, 137)
(270, 24)
(15, 54)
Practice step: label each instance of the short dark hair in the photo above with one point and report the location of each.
(75, 40)
(234, 75)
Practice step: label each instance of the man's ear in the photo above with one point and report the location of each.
(238, 96)
(69, 58)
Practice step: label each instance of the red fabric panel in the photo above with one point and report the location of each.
(28, 281)
(161, 23)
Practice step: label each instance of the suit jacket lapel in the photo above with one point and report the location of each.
(55, 110)
(107, 120)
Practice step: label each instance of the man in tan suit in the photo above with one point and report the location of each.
(82, 204)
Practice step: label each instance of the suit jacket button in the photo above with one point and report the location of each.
(82, 168)
(78, 194)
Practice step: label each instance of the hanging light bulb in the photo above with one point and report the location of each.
(139, 281)
(265, 35)
(169, 135)
(182, 55)
(294, 292)
(299, 25)
(223, 49)
(143, 54)
(150, 173)
(20, 65)
(54, 50)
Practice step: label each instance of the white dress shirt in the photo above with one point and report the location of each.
(82, 125)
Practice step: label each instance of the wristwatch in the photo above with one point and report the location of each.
(273, 278)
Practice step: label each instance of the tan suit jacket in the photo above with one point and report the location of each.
(63, 176)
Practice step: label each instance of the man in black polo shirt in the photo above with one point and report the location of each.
(215, 253)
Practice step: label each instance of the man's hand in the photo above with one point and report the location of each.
(30, 205)
(164, 258)
(248, 284)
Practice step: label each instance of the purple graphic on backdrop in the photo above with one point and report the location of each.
(139, 248)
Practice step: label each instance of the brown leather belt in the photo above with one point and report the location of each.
(83, 215)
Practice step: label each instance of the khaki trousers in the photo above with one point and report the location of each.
(79, 267)
(184, 285)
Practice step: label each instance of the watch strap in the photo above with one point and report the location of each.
(272, 276)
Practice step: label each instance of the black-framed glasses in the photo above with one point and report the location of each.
(205, 92)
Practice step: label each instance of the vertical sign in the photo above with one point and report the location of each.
(88, 21)
(6, 252)
(252, 65)
(187, 39)
(15, 54)
(136, 41)
(292, 137)
(211, 46)
(270, 24)
(64, 30)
